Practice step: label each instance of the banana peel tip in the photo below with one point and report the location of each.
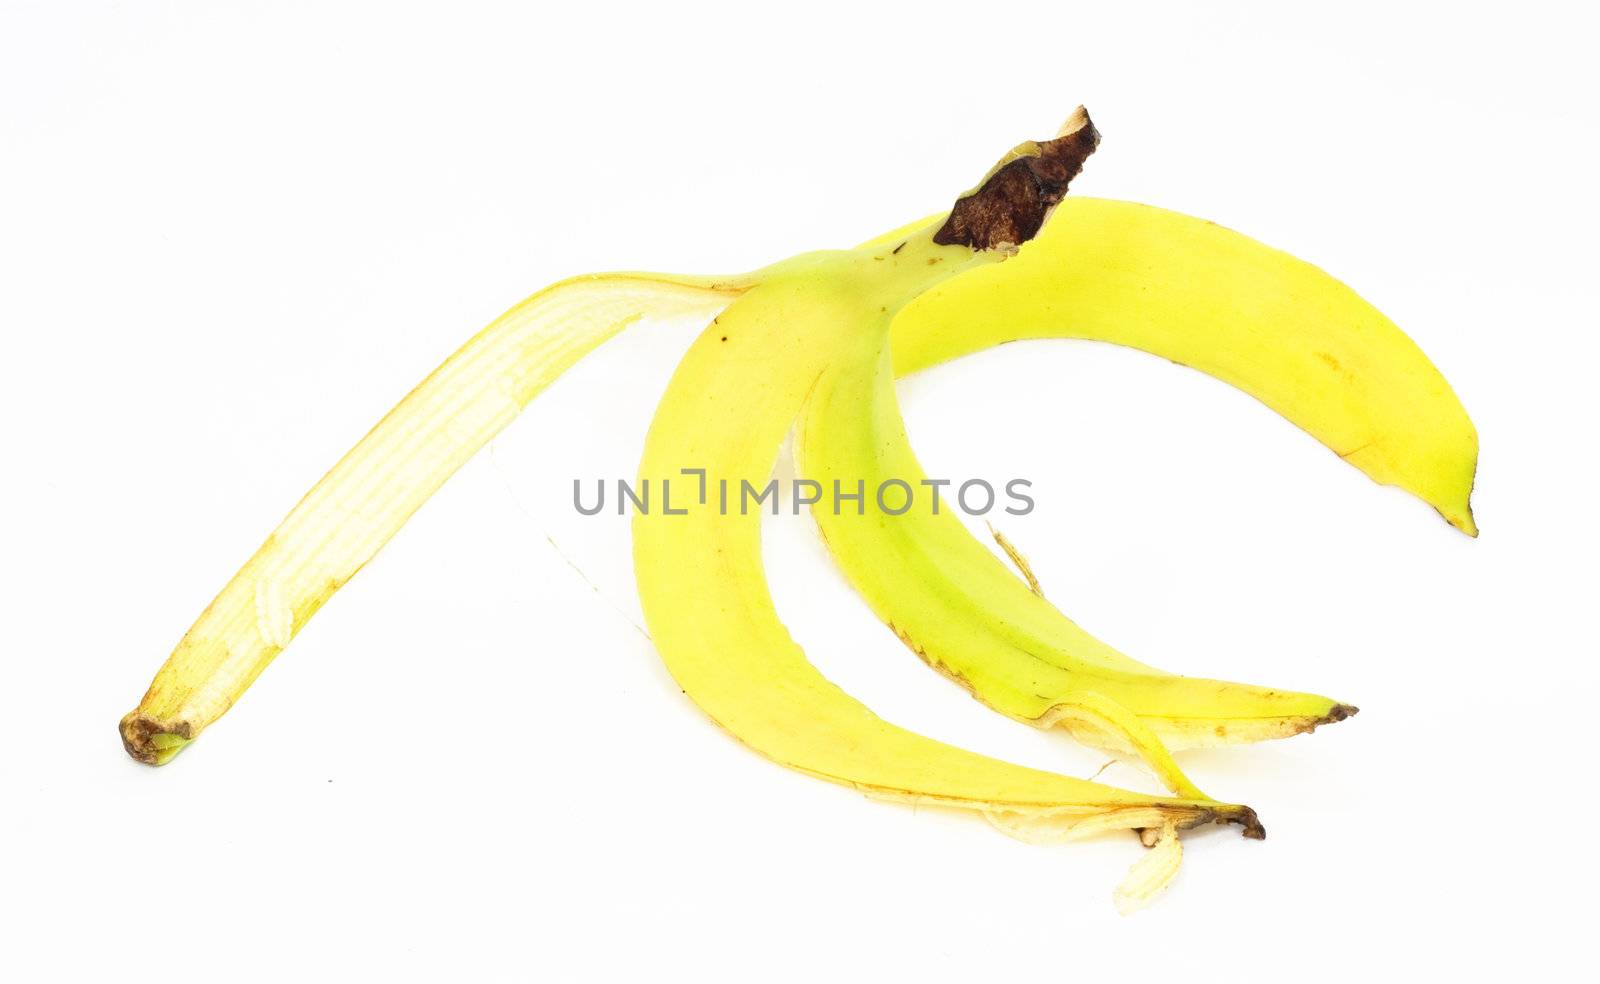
(153, 742)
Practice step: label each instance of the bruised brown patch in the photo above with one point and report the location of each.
(1010, 207)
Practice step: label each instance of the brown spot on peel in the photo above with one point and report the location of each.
(1012, 203)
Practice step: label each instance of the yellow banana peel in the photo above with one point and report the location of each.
(731, 401)
(1205, 296)
(824, 334)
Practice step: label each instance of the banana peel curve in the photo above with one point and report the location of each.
(1013, 259)
(727, 409)
(1204, 296)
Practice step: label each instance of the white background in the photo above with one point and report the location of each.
(232, 235)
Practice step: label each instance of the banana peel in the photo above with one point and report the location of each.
(1012, 259)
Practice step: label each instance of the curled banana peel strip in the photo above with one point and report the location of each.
(1252, 316)
(729, 405)
(1151, 874)
(813, 333)
(954, 603)
(353, 510)
(1189, 291)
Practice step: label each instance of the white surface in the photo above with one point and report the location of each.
(232, 235)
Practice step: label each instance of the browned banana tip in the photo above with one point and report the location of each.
(142, 737)
(1334, 716)
(1246, 818)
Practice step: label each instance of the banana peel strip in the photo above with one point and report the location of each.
(364, 500)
